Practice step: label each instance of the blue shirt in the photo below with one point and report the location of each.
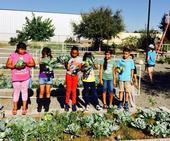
(128, 65)
(151, 57)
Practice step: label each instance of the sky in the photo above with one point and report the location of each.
(134, 12)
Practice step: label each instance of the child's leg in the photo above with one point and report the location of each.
(104, 92)
(94, 92)
(121, 94)
(110, 89)
(48, 90)
(68, 88)
(150, 72)
(47, 99)
(74, 88)
(16, 94)
(24, 91)
(86, 92)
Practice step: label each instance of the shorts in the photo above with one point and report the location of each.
(45, 81)
(124, 86)
(148, 65)
(108, 86)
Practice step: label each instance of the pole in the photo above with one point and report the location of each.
(147, 41)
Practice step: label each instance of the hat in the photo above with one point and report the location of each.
(151, 46)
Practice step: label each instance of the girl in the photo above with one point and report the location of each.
(20, 62)
(107, 76)
(151, 59)
(73, 66)
(88, 67)
(46, 76)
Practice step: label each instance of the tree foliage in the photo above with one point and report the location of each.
(162, 26)
(131, 42)
(35, 29)
(99, 24)
(144, 40)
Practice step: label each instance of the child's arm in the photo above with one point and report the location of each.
(9, 64)
(114, 77)
(100, 74)
(31, 63)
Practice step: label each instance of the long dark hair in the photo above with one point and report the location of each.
(105, 60)
(87, 55)
(21, 46)
(46, 51)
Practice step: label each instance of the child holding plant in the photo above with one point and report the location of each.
(73, 66)
(125, 69)
(20, 63)
(46, 76)
(88, 66)
(107, 77)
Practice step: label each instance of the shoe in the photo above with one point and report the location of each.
(66, 107)
(126, 106)
(98, 108)
(14, 111)
(120, 105)
(87, 108)
(105, 106)
(1, 107)
(110, 106)
(24, 111)
(74, 108)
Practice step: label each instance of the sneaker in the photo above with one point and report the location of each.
(74, 108)
(120, 105)
(98, 108)
(105, 106)
(126, 106)
(87, 108)
(110, 106)
(1, 107)
(66, 107)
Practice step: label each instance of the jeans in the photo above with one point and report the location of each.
(90, 88)
(108, 86)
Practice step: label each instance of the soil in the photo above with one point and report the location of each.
(157, 94)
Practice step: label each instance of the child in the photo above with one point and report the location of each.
(107, 76)
(134, 85)
(20, 63)
(46, 76)
(125, 69)
(73, 66)
(151, 59)
(88, 67)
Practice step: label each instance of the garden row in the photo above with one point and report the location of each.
(63, 126)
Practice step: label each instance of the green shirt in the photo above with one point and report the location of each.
(108, 73)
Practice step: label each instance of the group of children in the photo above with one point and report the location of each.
(111, 73)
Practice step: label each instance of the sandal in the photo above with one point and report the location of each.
(24, 111)
(14, 111)
(105, 106)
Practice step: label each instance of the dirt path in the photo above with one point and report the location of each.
(158, 94)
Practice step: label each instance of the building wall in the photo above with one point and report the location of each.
(12, 20)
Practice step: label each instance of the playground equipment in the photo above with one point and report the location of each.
(167, 21)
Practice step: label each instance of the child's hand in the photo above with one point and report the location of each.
(101, 82)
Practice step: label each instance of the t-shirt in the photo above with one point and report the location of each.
(46, 68)
(74, 63)
(23, 74)
(152, 57)
(128, 66)
(108, 73)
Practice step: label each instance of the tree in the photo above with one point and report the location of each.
(35, 29)
(162, 26)
(131, 42)
(99, 24)
(142, 41)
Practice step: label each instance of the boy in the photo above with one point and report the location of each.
(125, 69)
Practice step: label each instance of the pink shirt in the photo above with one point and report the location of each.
(23, 74)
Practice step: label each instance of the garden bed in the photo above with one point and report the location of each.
(145, 124)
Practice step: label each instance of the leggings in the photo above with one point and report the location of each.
(71, 87)
(22, 87)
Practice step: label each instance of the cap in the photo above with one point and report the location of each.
(151, 46)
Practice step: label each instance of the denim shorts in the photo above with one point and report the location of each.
(44, 81)
(108, 85)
